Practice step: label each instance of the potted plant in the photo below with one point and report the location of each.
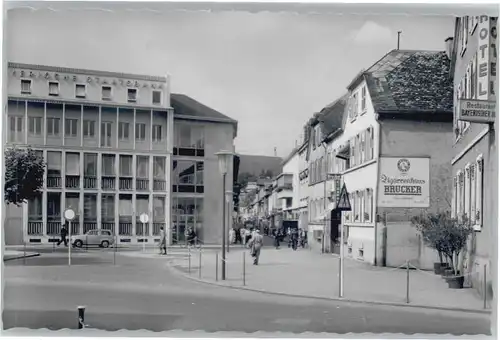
(455, 233)
(428, 226)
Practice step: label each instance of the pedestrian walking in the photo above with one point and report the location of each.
(248, 236)
(255, 245)
(64, 232)
(276, 238)
(163, 242)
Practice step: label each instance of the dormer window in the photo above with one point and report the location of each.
(26, 86)
(132, 95)
(53, 88)
(157, 97)
(106, 93)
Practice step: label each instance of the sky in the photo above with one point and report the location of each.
(271, 71)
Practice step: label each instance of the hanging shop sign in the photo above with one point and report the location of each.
(487, 58)
(477, 111)
(404, 182)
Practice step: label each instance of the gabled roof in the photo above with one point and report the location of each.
(411, 82)
(332, 115)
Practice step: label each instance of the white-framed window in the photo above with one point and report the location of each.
(53, 124)
(16, 129)
(479, 193)
(454, 198)
(53, 88)
(123, 130)
(355, 106)
(125, 165)
(472, 187)
(106, 133)
(80, 90)
(88, 128)
(26, 86)
(108, 165)
(467, 191)
(157, 97)
(362, 147)
(71, 127)
(363, 99)
(465, 35)
(35, 126)
(461, 194)
(140, 131)
(131, 95)
(72, 164)
(157, 136)
(107, 92)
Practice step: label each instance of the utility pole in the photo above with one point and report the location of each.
(399, 34)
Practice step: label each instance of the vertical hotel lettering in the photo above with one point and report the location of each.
(487, 58)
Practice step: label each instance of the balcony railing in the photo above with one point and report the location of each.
(159, 185)
(142, 184)
(156, 228)
(53, 181)
(53, 225)
(89, 225)
(108, 225)
(126, 183)
(75, 226)
(35, 226)
(141, 229)
(108, 182)
(73, 182)
(89, 182)
(125, 228)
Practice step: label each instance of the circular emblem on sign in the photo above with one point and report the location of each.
(144, 218)
(69, 214)
(404, 165)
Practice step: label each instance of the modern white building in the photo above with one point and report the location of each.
(116, 145)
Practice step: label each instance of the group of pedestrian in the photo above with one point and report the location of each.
(296, 237)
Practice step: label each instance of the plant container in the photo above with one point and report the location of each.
(455, 281)
(446, 272)
(439, 267)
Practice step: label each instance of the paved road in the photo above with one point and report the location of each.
(138, 293)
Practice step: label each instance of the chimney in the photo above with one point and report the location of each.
(449, 46)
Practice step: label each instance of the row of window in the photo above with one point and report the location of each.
(90, 161)
(71, 128)
(81, 91)
(467, 196)
(361, 150)
(125, 205)
(467, 89)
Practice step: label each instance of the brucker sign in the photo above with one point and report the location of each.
(477, 111)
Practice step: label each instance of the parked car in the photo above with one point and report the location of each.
(101, 238)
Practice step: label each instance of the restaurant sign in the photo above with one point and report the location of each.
(404, 182)
(477, 111)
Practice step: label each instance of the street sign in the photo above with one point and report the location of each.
(477, 111)
(343, 204)
(69, 214)
(144, 218)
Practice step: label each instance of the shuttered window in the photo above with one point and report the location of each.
(454, 198)
(467, 191)
(479, 192)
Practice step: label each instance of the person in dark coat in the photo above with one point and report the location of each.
(64, 232)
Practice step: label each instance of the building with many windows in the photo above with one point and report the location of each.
(116, 145)
(473, 51)
(393, 155)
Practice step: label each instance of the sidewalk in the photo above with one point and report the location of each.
(15, 255)
(308, 274)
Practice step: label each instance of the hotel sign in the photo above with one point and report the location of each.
(487, 58)
(477, 111)
(404, 182)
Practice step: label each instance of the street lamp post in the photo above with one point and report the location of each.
(224, 157)
(229, 195)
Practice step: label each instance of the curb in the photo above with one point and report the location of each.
(322, 298)
(18, 257)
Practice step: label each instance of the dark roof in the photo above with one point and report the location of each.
(184, 105)
(332, 114)
(411, 82)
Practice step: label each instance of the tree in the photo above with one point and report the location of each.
(246, 177)
(24, 172)
(447, 235)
